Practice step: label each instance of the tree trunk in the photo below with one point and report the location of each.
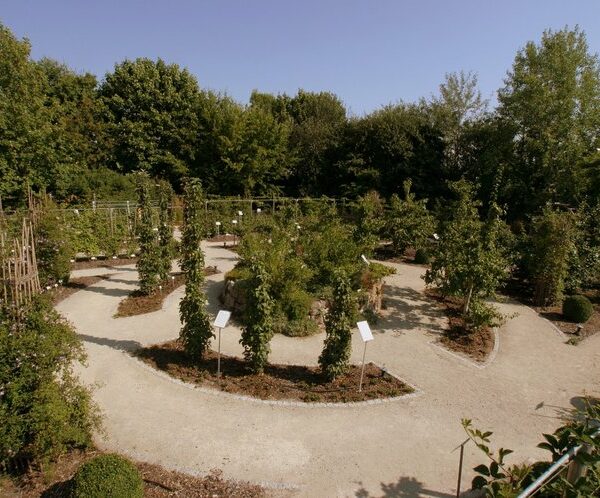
(468, 301)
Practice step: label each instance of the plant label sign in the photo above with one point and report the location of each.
(222, 318)
(365, 331)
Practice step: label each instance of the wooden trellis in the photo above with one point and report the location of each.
(20, 278)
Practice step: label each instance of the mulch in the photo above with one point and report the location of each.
(158, 482)
(138, 304)
(278, 382)
(476, 344)
(223, 238)
(101, 262)
(62, 292)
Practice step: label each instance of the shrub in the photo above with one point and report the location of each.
(577, 308)
(297, 304)
(301, 328)
(107, 476)
(422, 256)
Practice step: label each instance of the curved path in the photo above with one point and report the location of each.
(401, 448)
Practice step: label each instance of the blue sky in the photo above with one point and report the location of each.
(369, 53)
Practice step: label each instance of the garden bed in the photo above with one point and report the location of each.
(138, 304)
(102, 262)
(591, 327)
(279, 382)
(62, 292)
(476, 344)
(158, 482)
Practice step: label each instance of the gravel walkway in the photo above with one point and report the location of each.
(403, 448)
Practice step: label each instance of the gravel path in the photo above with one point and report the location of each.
(402, 448)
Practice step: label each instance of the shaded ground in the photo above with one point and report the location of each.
(138, 303)
(289, 382)
(75, 284)
(102, 263)
(54, 482)
(476, 344)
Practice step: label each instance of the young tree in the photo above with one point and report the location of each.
(470, 260)
(148, 264)
(258, 331)
(408, 222)
(368, 215)
(338, 327)
(165, 231)
(196, 332)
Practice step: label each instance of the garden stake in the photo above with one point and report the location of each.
(362, 371)
(219, 355)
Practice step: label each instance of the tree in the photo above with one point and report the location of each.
(551, 98)
(470, 260)
(368, 216)
(148, 264)
(196, 331)
(408, 223)
(165, 231)
(335, 357)
(152, 118)
(258, 331)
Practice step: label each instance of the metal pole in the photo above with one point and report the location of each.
(362, 371)
(460, 465)
(219, 356)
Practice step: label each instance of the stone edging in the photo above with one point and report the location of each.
(560, 333)
(490, 359)
(240, 397)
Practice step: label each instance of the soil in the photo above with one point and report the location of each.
(73, 285)
(138, 304)
(158, 482)
(102, 262)
(476, 344)
(278, 382)
(386, 253)
(222, 238)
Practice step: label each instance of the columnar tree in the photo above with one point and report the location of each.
(148, 261)
(408, 222)
(258, 331)
(165, 231)
(470, 260)
(196, 332)
(335, 357)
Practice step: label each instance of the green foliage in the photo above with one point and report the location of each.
(52, 248)
(498, 479)
(584, 259)
(165, 231)
(470, 260)
(196, 331)
(577, 309)
(107, 476)
(43, 410)
(368, 217)
(551, 243)
(422, 256)
(149, 263)
(335, 357)
(258, 329)
(408, 223)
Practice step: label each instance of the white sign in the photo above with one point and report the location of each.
(222, 318)
(258, 210)
(240, 213)
(234, 222)
(218, 223)
(365, 331)
(364, 259)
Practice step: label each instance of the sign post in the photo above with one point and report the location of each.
(218, 225)
(367, 336)
(220, 322)
(234, 223)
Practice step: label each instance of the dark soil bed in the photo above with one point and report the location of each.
(279, 382)
(138, 304)
(385, 252)
(62, 292)
(158, 482)
(84, 264)
(223, 238)
(477, 344)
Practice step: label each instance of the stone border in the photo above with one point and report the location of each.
(489, 360)
(272, 402)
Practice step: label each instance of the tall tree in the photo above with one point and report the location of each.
(196, 331)
(151, 113)
(148, 264)
(165, 230)
(551, 98)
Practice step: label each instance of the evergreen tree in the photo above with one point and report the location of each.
(148, 261)
(258, 331)
(196, 332)
(338, 328)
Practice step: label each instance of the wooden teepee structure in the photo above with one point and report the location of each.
(20, 278)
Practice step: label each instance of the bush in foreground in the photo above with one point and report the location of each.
(107, 476)
(577, 309)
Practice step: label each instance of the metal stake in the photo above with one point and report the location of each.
(362, 371)
(219, 355)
